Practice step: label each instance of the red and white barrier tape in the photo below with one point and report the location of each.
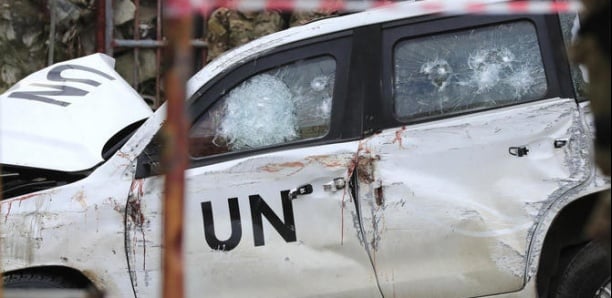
(445, 6)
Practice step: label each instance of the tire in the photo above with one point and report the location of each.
(586, 274)
(37, 281)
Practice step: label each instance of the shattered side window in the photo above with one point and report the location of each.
(285, 104)
(467, 70)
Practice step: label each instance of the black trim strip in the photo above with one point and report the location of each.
(366, 75)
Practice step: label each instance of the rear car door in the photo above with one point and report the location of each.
(268, 208)
(475, 136)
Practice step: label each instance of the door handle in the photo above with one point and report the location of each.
(302, 190)
(560, 143)
(519, 151)
(337, 184)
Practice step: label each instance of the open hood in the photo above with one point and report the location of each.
(61, 117)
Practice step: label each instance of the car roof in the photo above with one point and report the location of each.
(391, 12)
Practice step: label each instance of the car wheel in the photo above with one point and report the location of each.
(587, 274)
(37, 281)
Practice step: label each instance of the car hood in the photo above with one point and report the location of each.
(61, 117)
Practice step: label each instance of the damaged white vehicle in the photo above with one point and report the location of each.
(381, 154)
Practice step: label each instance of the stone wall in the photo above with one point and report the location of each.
(26, 44)
(25, 41)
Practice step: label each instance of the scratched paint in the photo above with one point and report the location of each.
(326, 231)
(56, 228)
(80, 198)
(136, 220)
(454, 183)
(141, 243)
(278, 167)
(330, 161)
(372, 211)
(398, 136)
(579, 166)
(365, 169)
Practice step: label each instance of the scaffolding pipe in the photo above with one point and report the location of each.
(136, 51)
(108, 26)
(178, 27)
(52, 21)
(150, 43)
(101, 26)
(158, 55)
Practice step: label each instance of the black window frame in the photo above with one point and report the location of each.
(581, 96)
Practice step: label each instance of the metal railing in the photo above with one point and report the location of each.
(109, 44)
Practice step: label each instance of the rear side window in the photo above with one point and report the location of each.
(467, 70)
(285, 104)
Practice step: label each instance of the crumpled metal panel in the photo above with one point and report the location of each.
(60, 118)
(448, 212)
(78, 225)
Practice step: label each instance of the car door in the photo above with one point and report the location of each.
(268, 208)
(477, 137)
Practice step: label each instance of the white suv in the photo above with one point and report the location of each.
(385, 153)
